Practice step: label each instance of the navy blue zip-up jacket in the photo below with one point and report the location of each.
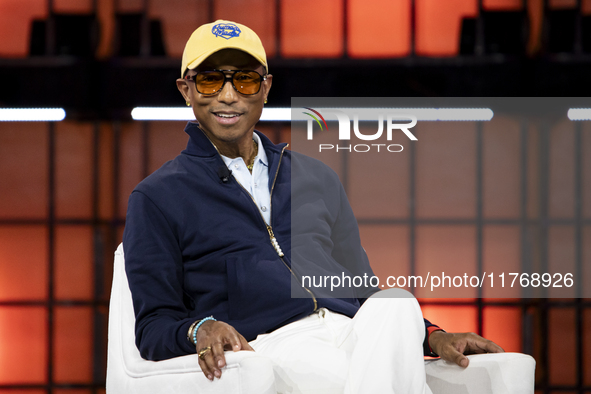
(196, 245)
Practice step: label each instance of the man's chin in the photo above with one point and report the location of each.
(230, 134)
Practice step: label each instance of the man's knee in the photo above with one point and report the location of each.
(394, 302)
(394, 292)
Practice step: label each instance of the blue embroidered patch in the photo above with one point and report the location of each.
(226, 30)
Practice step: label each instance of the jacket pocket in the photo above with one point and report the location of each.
(257, 287)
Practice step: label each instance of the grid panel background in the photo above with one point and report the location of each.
(64, 189)
(56, 269)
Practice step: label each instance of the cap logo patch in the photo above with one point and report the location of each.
(226, 30)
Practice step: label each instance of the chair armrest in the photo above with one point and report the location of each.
(492, 373)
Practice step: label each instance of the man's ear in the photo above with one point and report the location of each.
(183, 87)
(267, 85)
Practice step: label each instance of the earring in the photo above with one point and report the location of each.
(188, 104)
(265, 101)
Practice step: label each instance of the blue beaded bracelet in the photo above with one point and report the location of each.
(199, 325)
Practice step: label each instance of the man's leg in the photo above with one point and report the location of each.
(305, 354)
(384, 341)
(378, 351)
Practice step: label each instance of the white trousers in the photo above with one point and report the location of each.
(378, 351)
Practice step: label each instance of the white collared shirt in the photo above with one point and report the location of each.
(257, 183)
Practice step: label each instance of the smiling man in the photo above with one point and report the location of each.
(208, 248)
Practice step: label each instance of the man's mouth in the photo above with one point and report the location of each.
(227, 117)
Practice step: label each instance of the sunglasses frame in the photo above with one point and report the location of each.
(226, 79)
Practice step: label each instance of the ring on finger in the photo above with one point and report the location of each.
(201, 353)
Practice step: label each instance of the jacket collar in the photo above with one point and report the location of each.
(199, 145)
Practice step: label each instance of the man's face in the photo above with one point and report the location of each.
(228, 117)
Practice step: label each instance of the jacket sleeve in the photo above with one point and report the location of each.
(154, 267)
(348, 249)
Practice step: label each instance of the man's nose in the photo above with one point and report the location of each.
(228, 94)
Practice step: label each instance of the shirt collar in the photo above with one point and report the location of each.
(262, 156)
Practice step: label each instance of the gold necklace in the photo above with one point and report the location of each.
(256, 152)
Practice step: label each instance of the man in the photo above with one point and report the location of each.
(208, 245)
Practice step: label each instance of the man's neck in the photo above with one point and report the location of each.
(243, 148)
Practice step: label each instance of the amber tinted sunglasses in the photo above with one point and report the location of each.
(246, 82)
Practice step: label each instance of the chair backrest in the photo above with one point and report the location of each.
(123, 354)
(118, 323)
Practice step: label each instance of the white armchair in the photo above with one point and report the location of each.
(128, 373)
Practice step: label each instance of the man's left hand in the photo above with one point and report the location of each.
(453, 346)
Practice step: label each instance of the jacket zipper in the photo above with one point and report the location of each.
(274, 242)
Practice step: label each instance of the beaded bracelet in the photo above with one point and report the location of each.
(198, 324)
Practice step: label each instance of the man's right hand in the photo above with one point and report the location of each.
(220, 336)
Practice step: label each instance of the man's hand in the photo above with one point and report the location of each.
(452, 346)
(220, 336)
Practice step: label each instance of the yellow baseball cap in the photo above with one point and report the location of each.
(221, 34)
